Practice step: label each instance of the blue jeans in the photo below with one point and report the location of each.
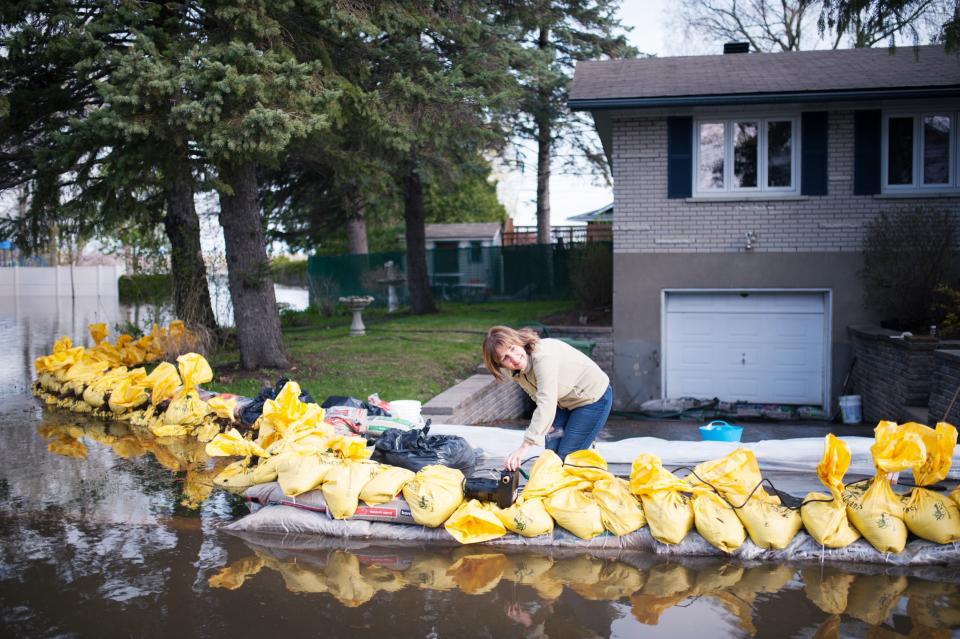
(580, 426)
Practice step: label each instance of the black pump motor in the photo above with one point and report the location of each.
(502, 490)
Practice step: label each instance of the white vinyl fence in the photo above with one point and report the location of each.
(59, 281)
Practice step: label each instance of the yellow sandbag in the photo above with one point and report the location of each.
(825, 516)
(236, 477)
(577, 511)
(342, 485)
(129, 393)
(735, 475)
(299, 472)
(385, 485)
(527, 517)
(223, 407)
(95, 392)
(620, 511)
(81, 374)
(433, 494)
(233, 444)
(266, 470)
(665, 498)
(162, 382)
(927, 514)
(876, 511)
(716, 521)
(587, 464)
(186, 409)
(474, 522)
(98, 332)
(350, 446)
(547, 475)
(287, 410)
(770, 525)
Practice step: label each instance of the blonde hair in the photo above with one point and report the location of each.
(500, 337)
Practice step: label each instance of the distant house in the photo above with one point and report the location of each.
(460, 253)
(742, 184)
(599, 223)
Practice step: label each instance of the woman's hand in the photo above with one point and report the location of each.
(515, 458)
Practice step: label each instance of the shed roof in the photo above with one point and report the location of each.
(462, 230)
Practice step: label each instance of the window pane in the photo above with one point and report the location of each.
(710, 174)
(779, 155)
(745, 155)
(936, 149)
(900, 156)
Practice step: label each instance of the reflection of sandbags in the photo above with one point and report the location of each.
(342, 485)
(476, 574)
(233, 576)
(577, 511)
(579, 569)
(385, 485)
(474, 522)
(547, 475)
(875, 510)
(825, 516)
(615, 581)
(942, 612)
(344, 580)
(433, 494)
(717, 577)
(827, 588)
(666, 586)
(665, 499)
(526, 517)
(430, 572)
(620, 511)
(531, 570)
(716, 521)
(873, 597)
(646, 609)
(763, 579)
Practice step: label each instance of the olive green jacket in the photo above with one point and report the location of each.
(557, 374)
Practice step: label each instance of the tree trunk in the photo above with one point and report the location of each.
(191, 295)
(418, 283)
(544, 131)
(356, 226)
(251, 289)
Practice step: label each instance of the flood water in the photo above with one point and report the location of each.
(106, 531)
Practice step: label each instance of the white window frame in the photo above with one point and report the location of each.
(761, 189)
(917, 186)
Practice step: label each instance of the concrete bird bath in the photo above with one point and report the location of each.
(355, 304)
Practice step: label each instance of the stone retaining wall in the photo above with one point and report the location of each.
(893, 375)
(943, 387)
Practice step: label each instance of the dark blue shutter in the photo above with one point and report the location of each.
(813, 153)
(679, 157)
(866, 152)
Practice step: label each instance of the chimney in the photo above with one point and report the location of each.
(736, 47)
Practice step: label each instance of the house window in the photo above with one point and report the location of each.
(920, 152)
(748, 155)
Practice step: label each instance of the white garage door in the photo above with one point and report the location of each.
(754, 347)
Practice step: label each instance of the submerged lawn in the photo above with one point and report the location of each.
(401, 357)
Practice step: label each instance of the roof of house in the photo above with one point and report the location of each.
(603, 214)
(462, 230)
(925, 71)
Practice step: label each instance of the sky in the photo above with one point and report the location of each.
(574, 194)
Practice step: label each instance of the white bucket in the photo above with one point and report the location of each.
(408, 409)
(850, 408)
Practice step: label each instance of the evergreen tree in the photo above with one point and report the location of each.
(554, 35)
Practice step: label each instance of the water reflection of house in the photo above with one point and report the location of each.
(460, 253)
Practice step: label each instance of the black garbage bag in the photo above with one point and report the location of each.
(353, 402)
(414, 449)
(254, 410)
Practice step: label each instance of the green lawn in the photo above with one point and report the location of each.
(401, 357)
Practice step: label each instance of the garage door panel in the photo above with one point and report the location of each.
(759, 348)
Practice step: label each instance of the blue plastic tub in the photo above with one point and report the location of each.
(720, 431)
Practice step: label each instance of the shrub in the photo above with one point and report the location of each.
(906, 256)
(142, 288)
(592, 276)
(288, 272)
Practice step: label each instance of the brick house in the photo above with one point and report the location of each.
(742, 183)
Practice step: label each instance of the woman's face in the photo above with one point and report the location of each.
(512, 358)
